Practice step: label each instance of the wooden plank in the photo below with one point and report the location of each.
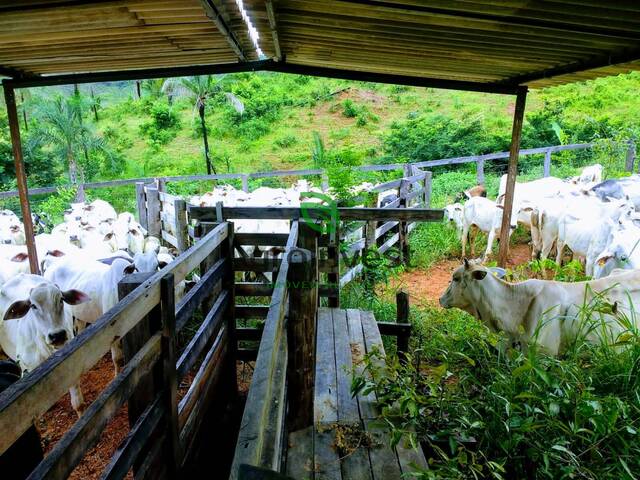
(260, 440)
(153, 211)
(384, 462)
(251, 311)
(327, 460)
(262, 239)
(192, 300)
(207, 330)
(292, 213)
(389, 243)
(141, 202)
(358, 351)
(301, 326)
(211, 362)
(167, 237)
(169, 380)
(347, 405)
(132, 445)
(253, 289)
(85, 433)
(326, 394)
(252, 264)
(300, 458)
(350, 275)
(249, 334)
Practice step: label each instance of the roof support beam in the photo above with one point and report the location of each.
(271, 15)
(512, 172)
(141, 74)
(14, 72)
(575, 67)
(213, 12)
(285, 67)
(21, 177)
(262, 65)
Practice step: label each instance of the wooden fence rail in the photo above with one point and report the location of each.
(479, 160)
(147, 320)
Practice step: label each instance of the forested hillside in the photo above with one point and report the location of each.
(264, 121)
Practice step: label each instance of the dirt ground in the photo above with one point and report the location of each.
(426, 286)
(59, 419)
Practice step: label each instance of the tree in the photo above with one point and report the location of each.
(200, 90)
(60, 126)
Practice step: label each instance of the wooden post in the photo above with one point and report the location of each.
(161, 184)
(80, 196)
(512, 172)
(181, 226)
(324, 182)
(141, 202)
(427, 189)
(333, 278)
(21, 178)
(308, 239)
(245, 183)
(631, 156)
(546, 169)
(219, 217)
(169, 378)
(301, 338)
(132, 342)
(403, 244)
(232, 337)
(153, 212)
(480, 171)
(402, 316)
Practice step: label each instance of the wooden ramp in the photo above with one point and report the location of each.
(346, 442)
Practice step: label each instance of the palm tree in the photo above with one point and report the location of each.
(201, 89)
(60, 126)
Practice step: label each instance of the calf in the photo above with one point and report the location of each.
(622, 250)
(482, 214)
(455, 214)
(477, 191)
(36, 322)
(543, 312)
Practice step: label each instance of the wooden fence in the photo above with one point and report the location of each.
(278, 393)
(479, 160)
(162, 214)
(163, 427)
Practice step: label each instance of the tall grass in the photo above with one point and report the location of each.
(481, 413)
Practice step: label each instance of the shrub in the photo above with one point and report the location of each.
(350, 109)
(163, 125)
(286, 141)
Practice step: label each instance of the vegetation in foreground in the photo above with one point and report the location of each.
(481, 412)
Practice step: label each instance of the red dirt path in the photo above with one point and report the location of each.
(426, 286)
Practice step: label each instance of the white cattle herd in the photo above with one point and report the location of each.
(596, 220)
(82, 260)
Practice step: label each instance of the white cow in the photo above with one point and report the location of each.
(455, 214)
(586, 230)
(36, 322)
(622, 250)
(589, 175)
(482, 214)
(100, 282)
(543, 312)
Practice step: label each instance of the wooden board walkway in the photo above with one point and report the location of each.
(346, 442)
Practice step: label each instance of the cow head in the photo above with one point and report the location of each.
(460, 293)
(45, 305)
(454, 212)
